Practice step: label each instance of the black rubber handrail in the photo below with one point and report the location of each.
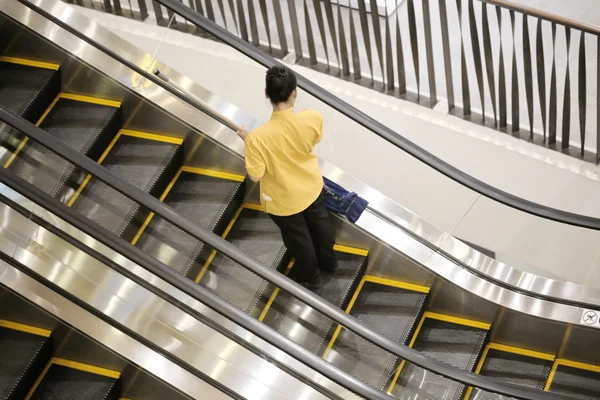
(279, 280)
(382, 130)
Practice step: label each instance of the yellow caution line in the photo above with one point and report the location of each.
(214, 252)
(274, 295)
(411, 344)
(458, 321)
(88, 177)
(351, 250)
(214, 174)
(151, 215)
(151, 136)
(255, 207)
(91, 100)
(571, 364)
(24, 328)
(73, 365)
(551, 376)
(478, 370)
(30, 63)
(26, 139)
(398, 284)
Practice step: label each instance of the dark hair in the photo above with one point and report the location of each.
(280, 84)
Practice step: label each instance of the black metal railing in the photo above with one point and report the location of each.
(524, 70)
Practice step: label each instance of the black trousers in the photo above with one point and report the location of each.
(308, 237)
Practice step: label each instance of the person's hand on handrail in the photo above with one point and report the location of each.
(243, 133)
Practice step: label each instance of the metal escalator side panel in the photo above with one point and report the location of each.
(253, 232)
(306, 326)
(147, 163)
(24, 351)
(574, 379)
(455, 341)
(387, 307)
(207, 200)
(513, 365)
(67, 379)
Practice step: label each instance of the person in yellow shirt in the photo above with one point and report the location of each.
(279, 155)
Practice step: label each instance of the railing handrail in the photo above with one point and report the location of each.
(279, 280)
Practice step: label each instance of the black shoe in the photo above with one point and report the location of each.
(314, 284)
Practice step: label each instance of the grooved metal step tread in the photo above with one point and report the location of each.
(27, 91)
(65, 383)
(22, 358)
(257, 235)
(454, 344)
(81, 126)
(146, 164)
(207, 201)
(576, 382)
(391, 311)
(301, 323)
(512, 368)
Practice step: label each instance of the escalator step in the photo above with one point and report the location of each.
(509, 366)
(73, 381)
(208, 201)
(254, 233)
(82, 125)
(450, 340)
(392, 311)
(22, 358)
(27, 90)
(148, 164)
(301, 323)
(582, 382)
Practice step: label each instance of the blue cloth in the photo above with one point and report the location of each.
(339, 200)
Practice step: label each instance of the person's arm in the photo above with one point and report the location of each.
(255, 164)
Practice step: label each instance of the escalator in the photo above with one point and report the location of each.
(216, 201)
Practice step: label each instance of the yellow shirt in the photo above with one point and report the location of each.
(281, 152)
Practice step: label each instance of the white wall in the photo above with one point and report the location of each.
(515, 166)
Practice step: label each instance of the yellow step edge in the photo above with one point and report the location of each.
(15, 326)
(88, 177)
(521, 351)
(90, 99)
(30, 63)
(255, 207)
(578, 365)
(215, 174)
(457, 320)
(214, 252)
(398, 284)
(151, 136)
(264, 312)
(351, 250)
(477, 370)
(26, 139)
(138, 235)
(73, 365)
(551, 376)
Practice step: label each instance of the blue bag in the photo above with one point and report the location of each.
(339, 200)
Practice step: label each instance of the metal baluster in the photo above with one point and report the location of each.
(362, 12)
(566, 122)
(541, 73)
(414, 44)
(280, 27)
(265, 16)
(400, 57)
(253, 23)
(331, 23)
(501, 75)
(210, 12)
(232, 10)
(118, 9)
(354, 47)
(464, 77)
(295, 29)
(389, 64)
(516, 124)
(242, 20)
(377, 33)
(447, 55)
(429, 54)
(321, 25)
(489, 60)
(107, 6)
(582, 79)
(528, 73)
(143, 9)
(343, 45)
(552, 112)
(476, 55)
(221, 6)
(198, 5)
(309, 36)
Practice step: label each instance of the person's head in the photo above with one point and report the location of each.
(281, 86)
